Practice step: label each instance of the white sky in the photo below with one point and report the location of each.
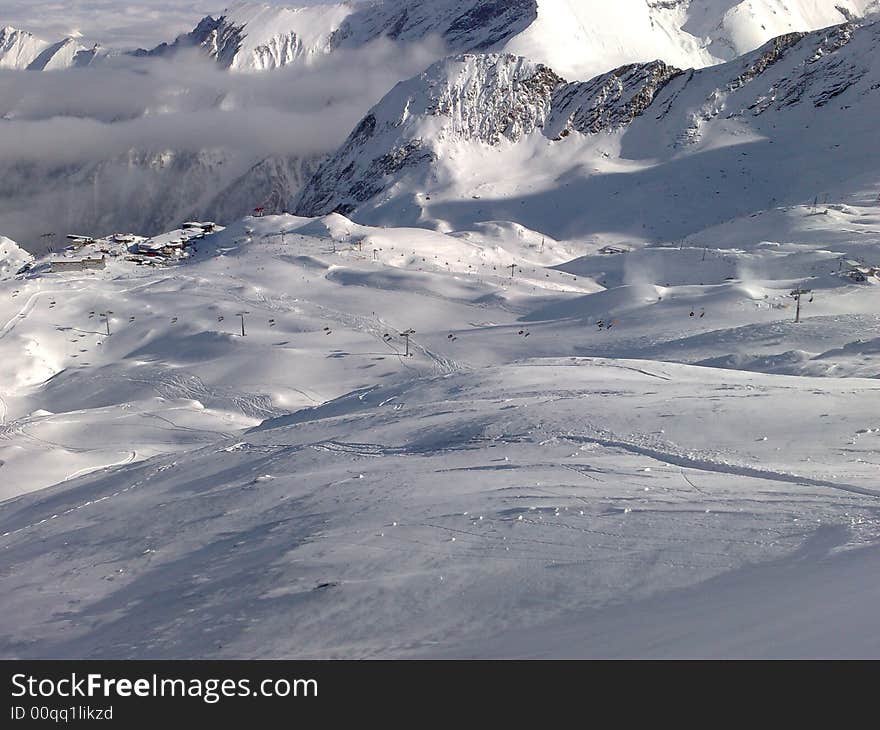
(116, 23)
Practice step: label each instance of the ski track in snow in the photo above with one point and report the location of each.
(83, 505)
(82, 472)
(720, 467)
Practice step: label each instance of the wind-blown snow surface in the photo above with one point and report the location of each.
(551, 474)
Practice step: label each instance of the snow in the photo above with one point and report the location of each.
(526, 484)
(780, 126)
(609, 438)
(580, 38)
(759, 612)
(249, 37)
(64, 54)
(20, 50)
(277, 36)
(12, 257)
(583, 38)
(747, 25)
(152, 189)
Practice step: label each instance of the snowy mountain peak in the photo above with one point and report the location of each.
(20, 50)
(260, 37)
(501, 123)
(488, 99)
(585, 37)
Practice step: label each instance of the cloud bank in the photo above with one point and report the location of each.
(187, 103)
(112, 23)
(58, 128)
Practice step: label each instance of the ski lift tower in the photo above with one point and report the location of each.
(406, 337)
(106, 315)
(798, 295)
(241, 315)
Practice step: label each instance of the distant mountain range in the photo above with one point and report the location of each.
(522, 75)
(579, 38)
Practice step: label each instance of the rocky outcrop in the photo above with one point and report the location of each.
(490, 99)
(610, 101)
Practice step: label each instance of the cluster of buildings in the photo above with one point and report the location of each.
(85, 253)
(173, 245)
(859, 271)
(85, 264)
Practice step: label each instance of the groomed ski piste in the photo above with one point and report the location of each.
(590, 452)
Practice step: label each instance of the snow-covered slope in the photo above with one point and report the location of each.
(61, 378)
(68, 53)
(12, 257)
(579, 38)
(419, 521)
(463, 25)
(499, 137)
(20, 50)
(548, 473)
(583, 37)
(577, 411)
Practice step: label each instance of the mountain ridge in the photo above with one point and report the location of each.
(579, 38)
(180, 184)
(641, 116)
